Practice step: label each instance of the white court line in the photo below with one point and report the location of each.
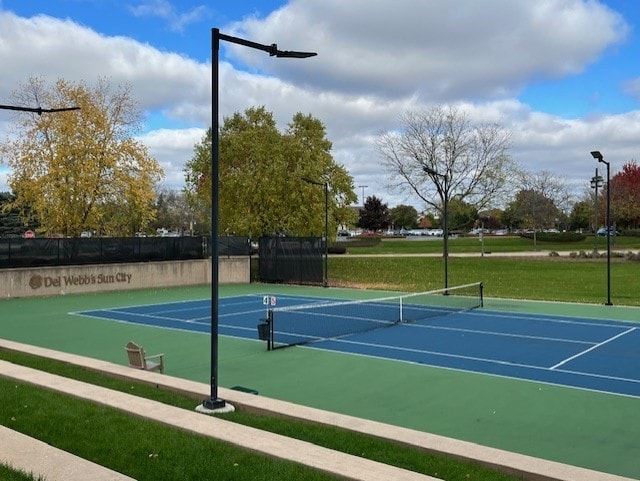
(482, 360)
(582, 353)
(553, 318)
(499, 334)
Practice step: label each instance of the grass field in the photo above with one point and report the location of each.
(561, 278)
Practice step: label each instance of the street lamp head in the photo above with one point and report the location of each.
(292, 54)
(597, 155)
(274, 52)
(311, 181)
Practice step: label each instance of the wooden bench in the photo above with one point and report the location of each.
(139, 360)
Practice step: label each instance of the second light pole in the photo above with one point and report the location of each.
(445, 220)
(213, 402)
(597, 155)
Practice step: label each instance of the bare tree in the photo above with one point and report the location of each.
(548, 185)
(440, 154)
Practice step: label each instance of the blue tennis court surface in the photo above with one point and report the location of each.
(595, 354)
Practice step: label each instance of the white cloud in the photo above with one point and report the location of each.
(172, 148)
(50, 48)
(440, 50)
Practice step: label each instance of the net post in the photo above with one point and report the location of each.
(482, 294)
(270, 321)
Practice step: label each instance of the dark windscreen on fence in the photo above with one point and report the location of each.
(233, 246)
(17, 252)
(291, 260)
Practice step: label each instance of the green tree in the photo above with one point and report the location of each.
(461, 215)
(261, 172)
(11, 225)
(531, 210)
(81, 170)
(375, 215)
(404, 217)
(581, 215)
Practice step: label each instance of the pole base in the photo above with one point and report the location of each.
(214, 405)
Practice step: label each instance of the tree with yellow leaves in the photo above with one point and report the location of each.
(80, 170)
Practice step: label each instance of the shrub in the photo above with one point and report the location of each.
(337, 249)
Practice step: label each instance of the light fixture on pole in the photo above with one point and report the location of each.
(37, 110)
(445, 221)
(213, 402)
(325, 274)
(598, 156)
(596, 183)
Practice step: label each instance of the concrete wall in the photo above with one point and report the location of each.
(50, 281)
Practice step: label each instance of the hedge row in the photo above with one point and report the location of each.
(556, 236)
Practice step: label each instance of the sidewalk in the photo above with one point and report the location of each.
(53, 464)
(339, 464)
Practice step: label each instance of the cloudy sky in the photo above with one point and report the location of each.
(563, 75)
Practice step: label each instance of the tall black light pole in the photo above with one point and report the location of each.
(445, 221)
(213, 402)
(596, 183)
(597, 155)
(325, 277)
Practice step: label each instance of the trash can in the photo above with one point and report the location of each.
(263, 331)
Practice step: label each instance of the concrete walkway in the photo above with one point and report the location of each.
(40, 459)
(21, 451)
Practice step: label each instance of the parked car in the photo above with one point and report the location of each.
(602, 231)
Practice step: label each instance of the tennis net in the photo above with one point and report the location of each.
(302, 324)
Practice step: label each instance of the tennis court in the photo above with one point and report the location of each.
(492, 376)
(594, 354)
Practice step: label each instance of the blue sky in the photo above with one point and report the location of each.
(562, 74)
(600, 88)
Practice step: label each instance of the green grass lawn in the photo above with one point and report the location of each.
(537, 278)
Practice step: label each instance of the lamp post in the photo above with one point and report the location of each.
(213, 402)
(362, 187)
(445, 221)
(596, 183)
(597, 155)
(325, 275)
